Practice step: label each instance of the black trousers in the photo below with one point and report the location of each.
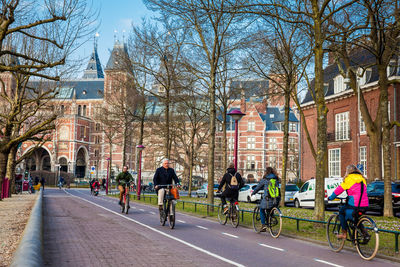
(232, 194)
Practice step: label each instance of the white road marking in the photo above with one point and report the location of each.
(152, 212)
(230, 235)
(181, 221)
(267, 246)
(328, 263)
(202, 227)
(165, 234)
(141, 209)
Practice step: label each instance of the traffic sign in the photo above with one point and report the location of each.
(92, 169)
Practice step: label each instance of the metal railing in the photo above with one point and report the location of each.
(243, 211)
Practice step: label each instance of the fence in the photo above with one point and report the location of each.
(5, 190)
(243, 211)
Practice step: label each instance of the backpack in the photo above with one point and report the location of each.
(234, 182)
(273, 188)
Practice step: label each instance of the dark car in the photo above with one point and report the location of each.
(375, 192)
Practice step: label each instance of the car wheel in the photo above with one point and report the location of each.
(248, 199)
(297, 203)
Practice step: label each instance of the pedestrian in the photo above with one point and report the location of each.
(42, 181)
(36, 180)
(103, 183)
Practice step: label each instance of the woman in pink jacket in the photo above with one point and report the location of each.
(356, 186)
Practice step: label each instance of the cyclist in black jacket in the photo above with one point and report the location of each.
(163, 176)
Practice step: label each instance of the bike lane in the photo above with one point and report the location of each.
(241, 245)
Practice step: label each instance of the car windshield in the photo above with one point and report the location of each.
(376, 188)
(395, 188)
(216, 186)
(292, 187)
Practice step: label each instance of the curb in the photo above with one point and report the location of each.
(30, 249)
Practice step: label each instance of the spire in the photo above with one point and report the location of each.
(119, 58)
(93, 69)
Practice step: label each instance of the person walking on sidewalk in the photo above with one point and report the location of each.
(123, 179)
(163, 176)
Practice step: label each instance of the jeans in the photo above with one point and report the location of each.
(345, 213)
(264, 215)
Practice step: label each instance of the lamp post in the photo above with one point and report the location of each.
(140, 148)
(108, 174)
(236, 115)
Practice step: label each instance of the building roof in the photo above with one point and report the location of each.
(273, 115)
(93, 69)
(119, 58)
(251, 88)
(359, 58)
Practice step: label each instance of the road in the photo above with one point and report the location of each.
(83, 230)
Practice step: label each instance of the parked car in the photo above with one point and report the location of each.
(203, 191)
(305, 197)
(291, 190)
(245, 193)
(375, 192)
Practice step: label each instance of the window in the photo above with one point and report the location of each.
(363, 76)
(291, 164)
(342, 126)
(82, 132)
(84, 111)
(304, 187)
(391, 67)
(272, 143)
(251, 142)
(97, 127)
(251, 163)
(251, 126)
(96, 153)
(79, 110)
(362, 125)
(231, 143)
(292, 144)
(272, 161)
(363, 159)
(339, 85)
(334, 162)
(292, 127)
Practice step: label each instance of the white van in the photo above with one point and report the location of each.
(306, 195)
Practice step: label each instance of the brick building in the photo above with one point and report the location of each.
(348, 142)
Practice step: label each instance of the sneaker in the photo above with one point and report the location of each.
(263, 228)
(226, 209)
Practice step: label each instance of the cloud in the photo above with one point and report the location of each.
(125, 24)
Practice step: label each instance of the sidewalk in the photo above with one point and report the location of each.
(14, 214)
(77, 233)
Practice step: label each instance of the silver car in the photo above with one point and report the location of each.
(291, 189)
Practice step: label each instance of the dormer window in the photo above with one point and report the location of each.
(339, 85)
(364, 76)
(326, 87)
(391, 68)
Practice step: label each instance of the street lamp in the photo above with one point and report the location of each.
(108, 174)
(140, 148)
(236, 115)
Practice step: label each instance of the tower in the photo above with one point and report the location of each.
(94, 69)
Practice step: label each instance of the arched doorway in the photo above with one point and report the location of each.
(64, 164)
(39, 160)
(80, 163)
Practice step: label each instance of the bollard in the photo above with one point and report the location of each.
(183, 205)
(208, 210)
(297, 225)
(195, 207)
(242, 216)
(396, 242)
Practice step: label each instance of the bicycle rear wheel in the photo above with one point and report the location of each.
(257, 225)
(222, 218)
(171, 216)
(275, 222)
(332, 230)
(234, 216)
(367, 238)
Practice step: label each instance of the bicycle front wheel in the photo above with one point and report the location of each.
(163, 215)
(332, 230)
(171, 216)
(221, 216)
(257, 225)
(235, 216)
(127, 204)
(275, 222)
(367, 238)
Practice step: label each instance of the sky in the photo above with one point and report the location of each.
(115, 15)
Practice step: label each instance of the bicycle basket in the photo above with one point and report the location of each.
(175, 193)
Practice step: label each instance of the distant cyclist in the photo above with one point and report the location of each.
(270, 184)
(123, 179)
(233, 182)
(163, 176)
(354, 183)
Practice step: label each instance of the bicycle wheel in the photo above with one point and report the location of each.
(127, 204)
(163, 215)
(275, 222)
(221, 216)
(332, 230)
(171, 216)
(257, 225)
(234, 216)
(367, 238)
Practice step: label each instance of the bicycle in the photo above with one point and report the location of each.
(125, 200)
(168, 211)
(274, 223)
(232, 214)
(362, 232)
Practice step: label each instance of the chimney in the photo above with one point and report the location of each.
(243, 102)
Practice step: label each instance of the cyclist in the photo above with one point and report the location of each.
(163, 176)
(267, 202)
(233, 182)
(122, 180)
(354, 183)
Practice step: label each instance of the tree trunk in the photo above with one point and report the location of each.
(11, 164)
(211, 141)
(374, 168)
(322, 159)
(191, 159)
(285, 146)
(124, 145)
(167, 136)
